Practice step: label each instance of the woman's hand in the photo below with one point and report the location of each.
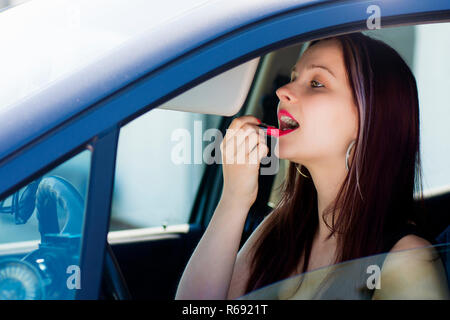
(210, 268)
(242, 149)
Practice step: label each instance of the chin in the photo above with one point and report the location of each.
(287, 147)
(285, 151)
(291, 153)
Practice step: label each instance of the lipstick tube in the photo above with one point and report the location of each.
(270, 130)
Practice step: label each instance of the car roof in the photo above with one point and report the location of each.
(59, 62)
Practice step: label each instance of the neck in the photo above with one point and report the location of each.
(327, 178)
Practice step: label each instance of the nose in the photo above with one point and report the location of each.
(286, 95)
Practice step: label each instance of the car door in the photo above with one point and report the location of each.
(153, 249)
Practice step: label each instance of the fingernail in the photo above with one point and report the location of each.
(258, 120)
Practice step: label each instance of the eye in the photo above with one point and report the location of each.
(316, 84)
(293, 76)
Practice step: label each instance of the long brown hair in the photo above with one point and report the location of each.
(377, 195)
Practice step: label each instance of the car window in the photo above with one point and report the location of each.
(431, 52)
(426, 49)
(41, 232)
(159, 168)
(420, 273)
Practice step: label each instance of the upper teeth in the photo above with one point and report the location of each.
(289, 121)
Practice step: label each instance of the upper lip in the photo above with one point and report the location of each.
(282, 113)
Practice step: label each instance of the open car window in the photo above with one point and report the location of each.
(154, 185)
(420, 273)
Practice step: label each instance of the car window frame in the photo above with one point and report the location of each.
(97, 208)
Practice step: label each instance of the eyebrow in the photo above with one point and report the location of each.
(312, 66)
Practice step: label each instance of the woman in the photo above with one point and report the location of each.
(349, 188)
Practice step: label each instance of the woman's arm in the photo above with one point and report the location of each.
(241, 271)
(210, 268)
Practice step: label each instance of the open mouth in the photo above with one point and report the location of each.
(287, 122)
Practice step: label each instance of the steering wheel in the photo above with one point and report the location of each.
(59, 247)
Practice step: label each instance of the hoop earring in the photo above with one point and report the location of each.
(348, 153)
(296, 167)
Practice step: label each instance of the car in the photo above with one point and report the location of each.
(98, 197)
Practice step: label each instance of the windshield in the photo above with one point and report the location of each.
(420, 273)
(41, 229)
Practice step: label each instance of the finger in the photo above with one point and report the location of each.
(233, 144)
(262, 135)
(263, 150)
(258, 153)
(233, 141)
(245, 131)
(250, 141)
(238, 123)
(253, 141)
(228, 151)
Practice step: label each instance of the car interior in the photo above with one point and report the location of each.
(151, 261)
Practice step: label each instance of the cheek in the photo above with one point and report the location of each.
(330, 122)
(321, 116)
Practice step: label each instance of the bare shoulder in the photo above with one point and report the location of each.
(241, 271)
(412, 270)
(410, 241)
(412, 250)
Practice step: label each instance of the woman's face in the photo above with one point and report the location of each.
(320, 99)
